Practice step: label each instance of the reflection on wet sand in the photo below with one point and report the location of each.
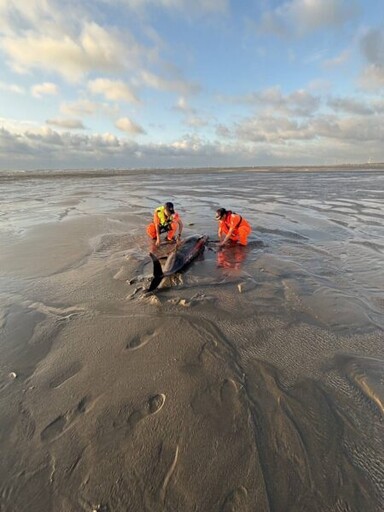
(231, 257)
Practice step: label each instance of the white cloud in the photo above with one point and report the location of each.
(192, 118)
(80, 107)
(163, 84)
(94, 49)
(319, 85)
(350, 129)
(113, 90)
(14, 13)
(72, 39)
(298, 103)
(44, 89)
(86, 107)
(182, 105)
(372, 45)
(17, 89)
(35, 13)
(19, 126)
(372, 78)
(127, 125)
(339, 60)
(196, 121)
(185, 7)
(303, 16)
(274, 130)
(46, 148)
(62, 38)
(351, 106)
(282, 130)
(71, 124)
(43, 36)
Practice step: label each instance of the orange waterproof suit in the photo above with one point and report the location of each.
(241, 228)
(166, 224)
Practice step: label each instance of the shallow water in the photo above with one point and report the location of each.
(277, 350)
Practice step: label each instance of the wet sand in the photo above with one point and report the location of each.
(252, 381)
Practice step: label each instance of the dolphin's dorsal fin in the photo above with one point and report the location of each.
(157, 273)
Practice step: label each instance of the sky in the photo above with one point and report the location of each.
(190, 83)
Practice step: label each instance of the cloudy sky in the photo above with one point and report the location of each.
(187, 83)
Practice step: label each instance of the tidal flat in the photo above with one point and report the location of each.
(253, 381)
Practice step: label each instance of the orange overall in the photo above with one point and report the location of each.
(166, 224)
(241, 228)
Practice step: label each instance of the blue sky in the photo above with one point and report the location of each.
(158, 83)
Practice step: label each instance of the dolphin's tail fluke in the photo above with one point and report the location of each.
(157, 273)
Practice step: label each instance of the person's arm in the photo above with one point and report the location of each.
(181, 226)
(228, 236)
(232, 227)
(157, 226)
(158, 234)
(220, 230)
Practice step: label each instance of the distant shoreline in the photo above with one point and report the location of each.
(94, 173)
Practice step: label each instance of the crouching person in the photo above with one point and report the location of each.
(232, 227)
(165, 220)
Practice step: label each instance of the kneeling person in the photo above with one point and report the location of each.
(165, 219)
(232, 227)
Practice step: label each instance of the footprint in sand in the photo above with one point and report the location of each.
(27, 425)
(68, 373)
(139, 340)
(152, 406)
(223, 411)
(230, 401)
(236, 501)
(229, 392)
(123, 274)
(60, 424)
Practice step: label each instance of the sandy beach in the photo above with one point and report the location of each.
(253, 381)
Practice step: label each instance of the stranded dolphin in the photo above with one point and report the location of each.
(184, 252)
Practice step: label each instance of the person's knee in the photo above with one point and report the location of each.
(151, 230)
(243, 237)
(170, 235)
